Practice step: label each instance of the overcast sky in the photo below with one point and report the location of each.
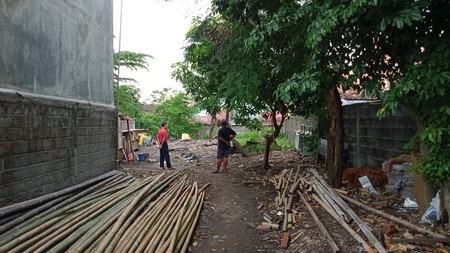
(157, 28)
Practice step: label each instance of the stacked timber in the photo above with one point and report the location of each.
(112, 213)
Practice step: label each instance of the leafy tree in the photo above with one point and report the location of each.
(129, 100)
(242, 75)
(130, 60)
(178, 112)
(199, 73)
(346, 44)
(128, 96)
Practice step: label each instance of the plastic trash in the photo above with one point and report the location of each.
(433, 213)
(399, 185)
(410, 204)
(366, 184)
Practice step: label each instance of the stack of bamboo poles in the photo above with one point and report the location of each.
(113, 213)
(286, 184)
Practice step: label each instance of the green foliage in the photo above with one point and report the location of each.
(284, 143)
(290, 53)
(249, 137)
(312, 142)
(130, 60)
(129, 96)
(253, 141)
(424, 86)
(171, 106)
(178, 112)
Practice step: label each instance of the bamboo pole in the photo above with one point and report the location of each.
(364, 227)
(94, 233)
(152, 219)
(328, 199)
(27, 232)
(33, 212)
(169, 244)
(392, 218)
(78, 220)
(153, 234)
(104, 245)
(98, 230)
(344, 225)
(167, 224)
(133, 231)
(45, 216)
(55, 203)
(65, 238)
(325, 232)
(174, 235)
(154, 189)
(12, 245)
(190, 221)
(141, 226)
(8, 210)
(93, 229)
(192, 225)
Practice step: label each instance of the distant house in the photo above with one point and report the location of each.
(148, 107)
(205, 118)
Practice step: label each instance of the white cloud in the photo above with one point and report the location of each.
(156, 28)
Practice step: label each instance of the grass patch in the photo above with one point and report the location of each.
(253, 142)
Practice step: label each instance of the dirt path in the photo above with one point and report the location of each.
(230, 213)
(233, 208)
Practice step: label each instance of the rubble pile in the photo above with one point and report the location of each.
(373, 220)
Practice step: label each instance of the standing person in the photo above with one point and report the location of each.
(163, 137)
(225, 134)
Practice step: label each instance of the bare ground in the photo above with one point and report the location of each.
(236, 201)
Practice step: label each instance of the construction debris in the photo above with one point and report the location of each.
(296, 189)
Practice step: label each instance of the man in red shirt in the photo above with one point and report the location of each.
(163, 137)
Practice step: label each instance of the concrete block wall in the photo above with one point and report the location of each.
(58, 127)
(372, 141)
(47, 145)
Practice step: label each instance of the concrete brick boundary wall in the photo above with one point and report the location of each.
(372, 141)
(48, 145)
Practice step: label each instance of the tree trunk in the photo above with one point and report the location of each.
(423, 188)
(239, 148)
(335, 145)
(446, 204)
(270, 139)
(211, 127)
(268, 143)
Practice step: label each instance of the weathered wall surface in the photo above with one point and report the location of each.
(372, 141)
(57, 48)
(57, 121)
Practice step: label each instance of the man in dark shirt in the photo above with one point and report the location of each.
(224, 136)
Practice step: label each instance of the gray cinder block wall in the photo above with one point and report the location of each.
(57, 120)
(372, 141)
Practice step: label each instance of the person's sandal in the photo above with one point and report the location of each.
(215, 171)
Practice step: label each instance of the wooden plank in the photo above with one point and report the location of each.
(325, 232)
